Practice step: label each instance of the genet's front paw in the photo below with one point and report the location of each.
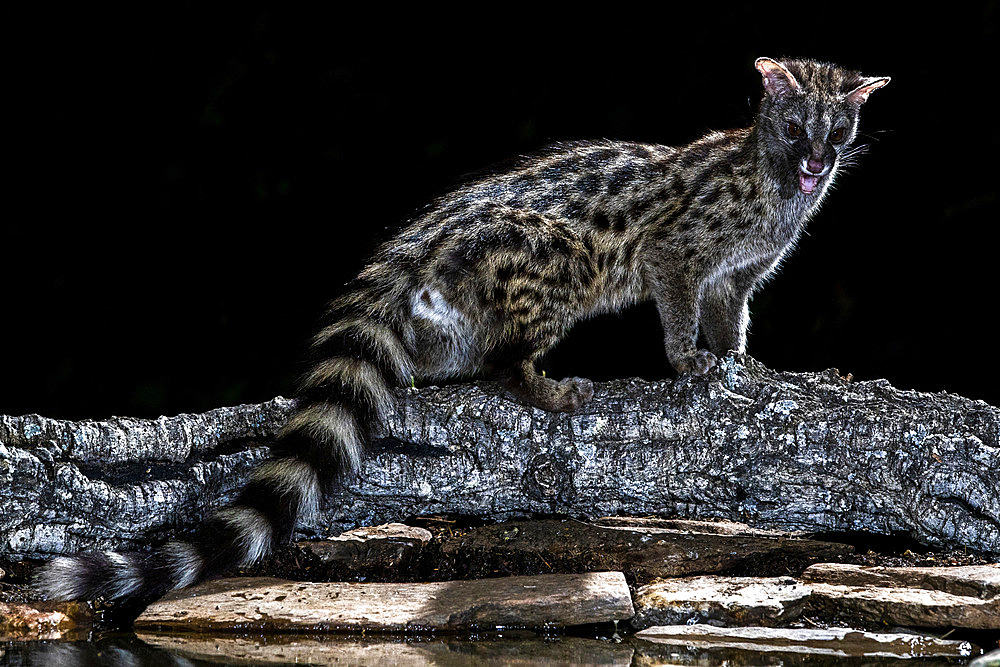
(698, 363)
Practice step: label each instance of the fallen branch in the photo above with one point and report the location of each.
(789, 451)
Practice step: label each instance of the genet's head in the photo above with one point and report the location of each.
(809, 116)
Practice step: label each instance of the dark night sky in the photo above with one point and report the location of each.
(187, 185)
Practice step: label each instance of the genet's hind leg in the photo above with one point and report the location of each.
(555, 396)
(537, 334)
(520, 278)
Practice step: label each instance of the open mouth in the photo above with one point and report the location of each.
(809, 179)
(808, 182)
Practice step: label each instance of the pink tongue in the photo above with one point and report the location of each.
(807, 183)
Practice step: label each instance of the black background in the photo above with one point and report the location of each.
(188, 184)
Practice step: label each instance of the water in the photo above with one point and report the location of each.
(517, 648)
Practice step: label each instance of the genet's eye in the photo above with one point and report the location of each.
(794, 130)
(837, 136)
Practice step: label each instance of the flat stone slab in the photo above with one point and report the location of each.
(834, 642)
(643, 548)
(43, 620)
(909, 607)
(370, 553)
(241, 604)
(714, 527)
(981, 581)
(772, 601)
(387, 531)
(646, 552)
(991, 659)
(727, 600)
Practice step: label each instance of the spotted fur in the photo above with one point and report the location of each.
(489, 277)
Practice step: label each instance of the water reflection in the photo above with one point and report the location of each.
(519, 649)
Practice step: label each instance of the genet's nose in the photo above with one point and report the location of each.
(814, 165)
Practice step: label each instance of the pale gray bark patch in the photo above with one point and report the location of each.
(129, 440)
(777, 450)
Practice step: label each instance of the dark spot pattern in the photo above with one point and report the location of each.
(620, 179)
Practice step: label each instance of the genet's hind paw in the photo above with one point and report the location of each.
(574, 394)
(545, 393)
(698, 363)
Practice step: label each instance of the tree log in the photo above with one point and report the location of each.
(779, 450)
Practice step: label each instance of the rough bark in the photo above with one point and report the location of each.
(788, 451)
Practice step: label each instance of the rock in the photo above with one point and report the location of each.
(644, 553)
(981, 581)
(933, 597)
(388, 531)
(834, 642)
(908, 607)
(773, 601)
(262, 604)
(717, 527)
(991, 659)
(44, 620)
(372, 553)
(720, 601)
(326, 650)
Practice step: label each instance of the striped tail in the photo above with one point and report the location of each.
(357, 361)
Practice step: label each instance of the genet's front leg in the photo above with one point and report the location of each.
(674, 287)
(725, 313)
(725, 316)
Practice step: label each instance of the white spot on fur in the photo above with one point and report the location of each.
(293, 476)
(184, 561)
(253, 532)
(430, 304)
(456, 351)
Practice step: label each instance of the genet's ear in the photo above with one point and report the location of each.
(778, 81)
(860, 94)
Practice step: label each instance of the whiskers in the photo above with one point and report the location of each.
(849, 158)
(851, 155)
